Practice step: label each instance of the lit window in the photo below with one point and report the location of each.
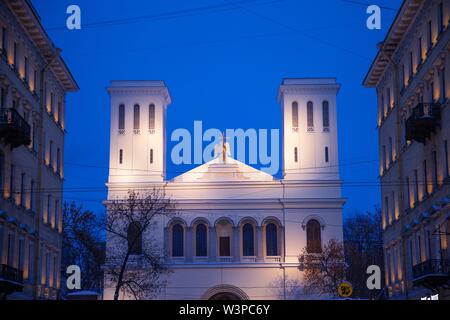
(295, 114)
(248, 240)
(200, 240)
(313, 237)
(271, 240)
(177, 241)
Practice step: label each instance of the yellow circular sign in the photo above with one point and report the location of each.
(345, 290)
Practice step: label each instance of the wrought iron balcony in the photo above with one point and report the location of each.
(432, 273)
(10, 274)
(13, 128)
(423, 121)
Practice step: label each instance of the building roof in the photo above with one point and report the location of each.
(403, 20)
(28, 18)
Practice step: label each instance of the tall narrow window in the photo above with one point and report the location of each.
(58, 111)
(32, 195)
(326, 154)
(10, 256)
(15, 55)
(402, 77)
(431, 91)
(4, 41)
(384, 158)
(224, 247)
(411, 67)
(22, 190)
(325, 115)
(388, 98)
(25, 77)
(425, 177)
(408, 195)
(52, 102)
(295, 154)
(386, 210)
(50, 154)
(447, 171)
(136, 118)
(310, 115)
(416, 186)
(313, 237)
(151, 117)
(420, 48)
(121, 118)
(35, 81)
(177, 241)
(11, 182)
(419, 248)
(58, 161)
(151, 155)
(443, 86)
(294, 115)
(435, 169)
(30, 262)
(201, 240)
(430, 35)
(271, 240)
(120, 156)
(134, 237)
(47, 212)
(391, 157)
(441, 17)
(248, 243)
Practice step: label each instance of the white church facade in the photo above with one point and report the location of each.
(239, 230)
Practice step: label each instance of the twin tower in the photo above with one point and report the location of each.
(138, 130)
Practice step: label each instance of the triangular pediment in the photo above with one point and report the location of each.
(218, 170)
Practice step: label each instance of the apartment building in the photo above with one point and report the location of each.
(411, 75)
(34, 81)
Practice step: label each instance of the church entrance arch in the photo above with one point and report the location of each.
(225, 292)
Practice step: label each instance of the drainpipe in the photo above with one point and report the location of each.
(397, 95)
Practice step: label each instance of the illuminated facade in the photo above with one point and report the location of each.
(240, 230)
(33, 83)
(411, 74)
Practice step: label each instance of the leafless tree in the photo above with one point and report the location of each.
(83, 245)
(324, 271)
(363, 242)
(135, 262)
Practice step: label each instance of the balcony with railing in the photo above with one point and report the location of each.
(11, 279)
(424, 120)
(432, 273)
(14, 130)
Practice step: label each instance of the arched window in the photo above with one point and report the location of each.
(122, 117)
(310, 115)
(295, 154)
(325, 115)
(200, 241)
(248, 244)
(136, 117)
(295, 114)
(313, 237)
(134, 237)
(271, 240)
(177, 241)
(151, 116)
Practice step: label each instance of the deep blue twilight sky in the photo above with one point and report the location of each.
(217, 64)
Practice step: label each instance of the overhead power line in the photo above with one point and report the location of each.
(222, 7)
(366, 4)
